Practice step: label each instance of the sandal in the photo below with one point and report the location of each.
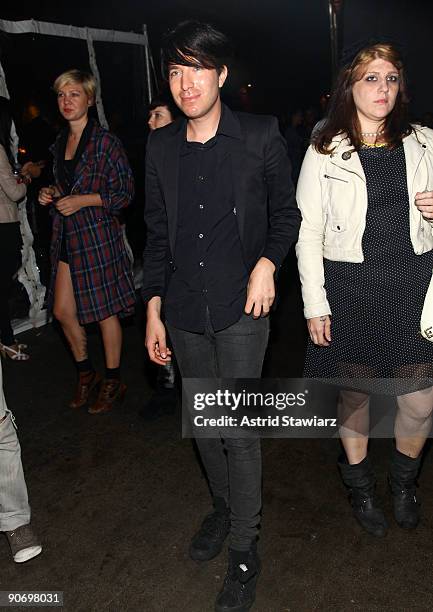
(14, 352)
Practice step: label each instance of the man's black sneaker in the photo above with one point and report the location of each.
(239, 589)
(208, 541)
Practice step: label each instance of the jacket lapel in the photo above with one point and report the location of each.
(171, 181)
(414, 150)
(237, 157)
(235, 147)
(344, 156)
(86, 147)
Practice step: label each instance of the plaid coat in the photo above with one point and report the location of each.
(101, 270)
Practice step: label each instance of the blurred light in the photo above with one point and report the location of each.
(22, 150)
(249, 85)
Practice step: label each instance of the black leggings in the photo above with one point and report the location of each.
(10, 261)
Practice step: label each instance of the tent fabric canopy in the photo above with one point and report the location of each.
(30, 26)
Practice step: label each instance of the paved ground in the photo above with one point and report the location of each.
(115, 500)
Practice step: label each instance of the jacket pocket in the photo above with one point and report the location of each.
(335, 178)
(338, 226)
(333, 229)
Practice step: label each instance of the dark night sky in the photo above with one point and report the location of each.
(283, 45)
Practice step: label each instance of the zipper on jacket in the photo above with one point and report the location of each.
(335, 178)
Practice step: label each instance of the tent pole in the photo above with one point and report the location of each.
(148, 66)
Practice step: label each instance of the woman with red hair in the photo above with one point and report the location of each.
(365, 256)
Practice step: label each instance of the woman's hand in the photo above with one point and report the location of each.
(424, 203)
(33, 169)
(320, 330)
(47, 195)
(69, 205)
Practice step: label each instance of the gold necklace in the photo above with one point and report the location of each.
(373, 145)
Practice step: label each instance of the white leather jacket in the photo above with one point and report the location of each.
(332, 197)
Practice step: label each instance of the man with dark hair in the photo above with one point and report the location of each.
(221, 216)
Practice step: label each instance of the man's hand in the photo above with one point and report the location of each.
(69, 205)
(155, 341)
(424, 203)
(320, 330)
(261, 289)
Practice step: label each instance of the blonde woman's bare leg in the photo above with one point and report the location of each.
(111, 331)
(112, 389)
(65, 311)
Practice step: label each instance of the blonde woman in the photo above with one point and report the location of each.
(91, 272)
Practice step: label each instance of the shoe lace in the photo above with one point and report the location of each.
(108, 389)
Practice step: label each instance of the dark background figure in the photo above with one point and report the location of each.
(427, 119)
(12, 190)
(37, 135)
(296, 138)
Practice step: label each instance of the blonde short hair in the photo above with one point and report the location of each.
(77, 77)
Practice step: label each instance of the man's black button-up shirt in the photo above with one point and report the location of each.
(208, 266)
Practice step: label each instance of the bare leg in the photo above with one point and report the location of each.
(65, 311)
(112, 389)
(413, 421)
(111, 331)
(353, 417)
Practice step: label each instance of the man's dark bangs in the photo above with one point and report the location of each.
(187, 56)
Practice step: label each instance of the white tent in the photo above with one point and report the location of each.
(29, 273)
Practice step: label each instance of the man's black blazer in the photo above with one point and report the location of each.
(266, 212)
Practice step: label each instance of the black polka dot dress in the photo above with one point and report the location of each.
(376, 305)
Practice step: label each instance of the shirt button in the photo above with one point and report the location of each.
(201, 264)
(200, 177)
(200, 235)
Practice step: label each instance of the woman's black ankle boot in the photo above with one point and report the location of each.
(402, 480)
(359, 478)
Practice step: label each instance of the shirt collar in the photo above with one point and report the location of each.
(228, 125)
